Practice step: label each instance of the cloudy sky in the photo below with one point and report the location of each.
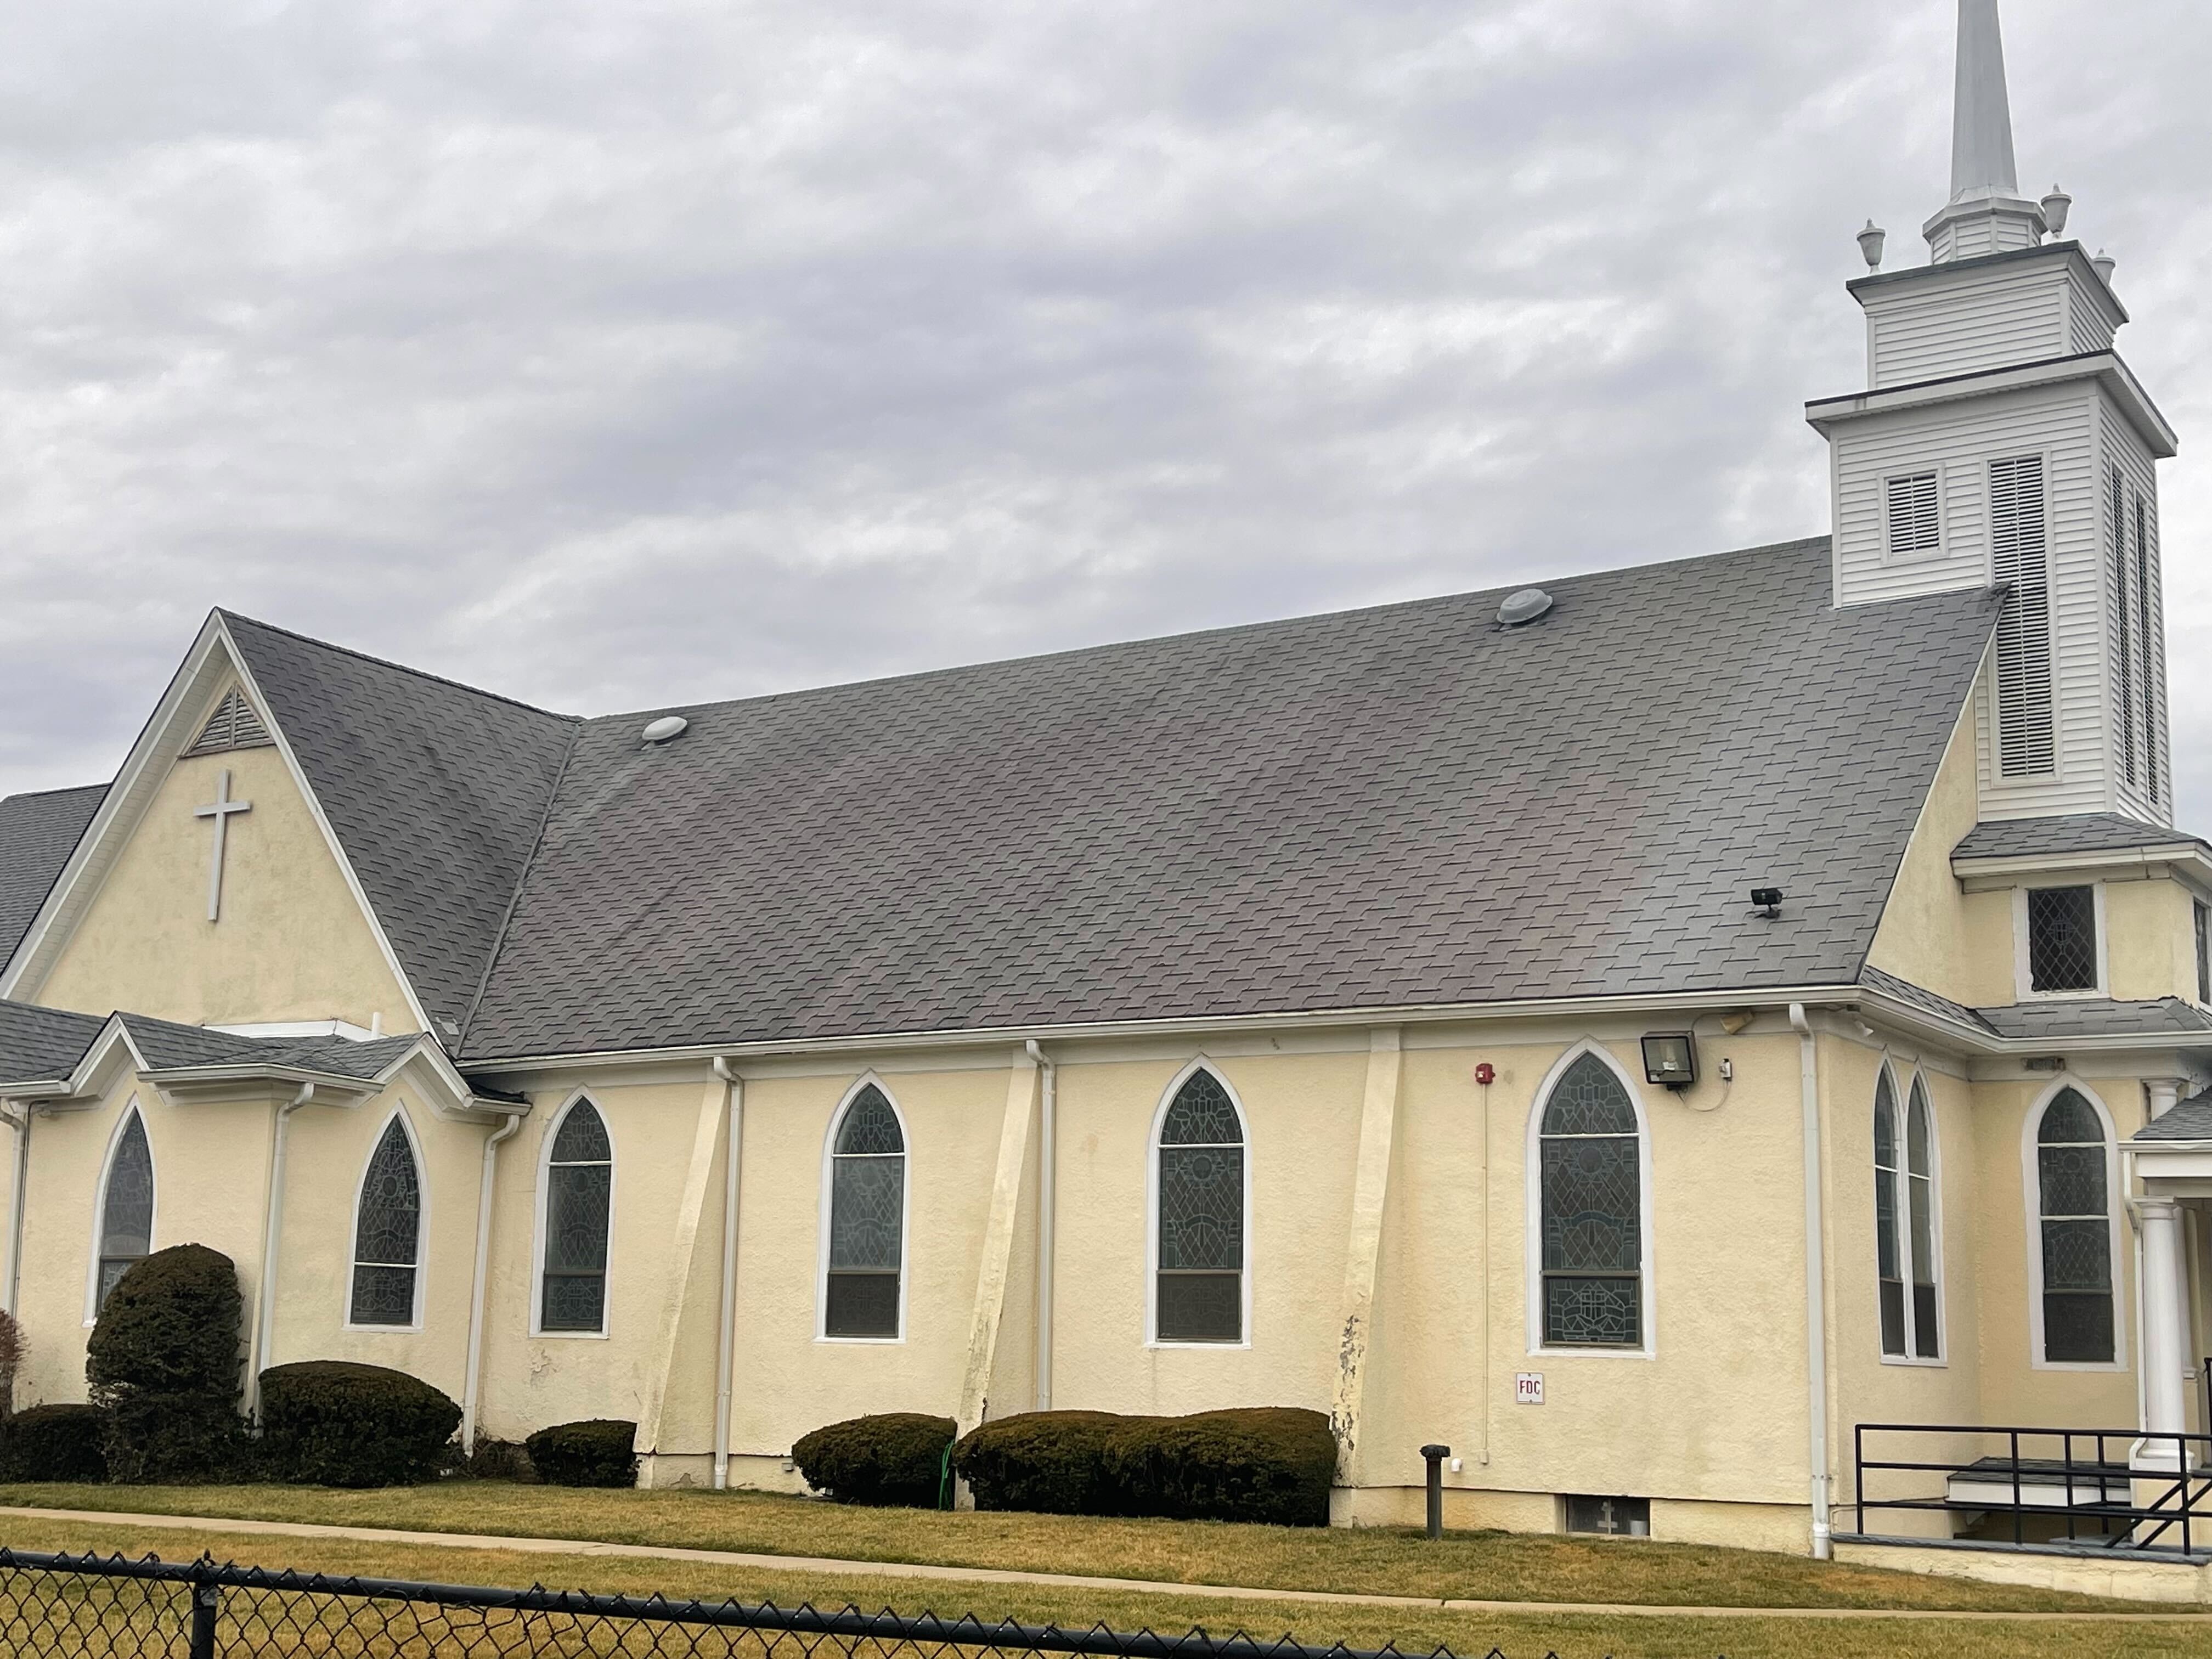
(636, 351)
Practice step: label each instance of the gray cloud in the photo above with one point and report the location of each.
(616, 355)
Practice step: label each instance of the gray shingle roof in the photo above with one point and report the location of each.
(2076, 832)
(1381, 807)
(2189, 1119)
(38, 1045)
(38, 833)
(435, 792)
(1918, 996)
(2093, 1016)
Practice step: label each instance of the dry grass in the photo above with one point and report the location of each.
(1475, 1566)
(1577, 1637)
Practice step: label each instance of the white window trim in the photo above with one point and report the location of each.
(99, 1205)
(1903, 1097)
(552, 1132)
(1153, 1339)
(397, 1113)
(1942, 548)
(2032, 1190)
(2023, 979)
(866, 1079)
(1533, 1232)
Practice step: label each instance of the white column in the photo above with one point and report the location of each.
(2165, 1408)
(2163, 1092)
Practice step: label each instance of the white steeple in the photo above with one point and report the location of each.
(1986, 213)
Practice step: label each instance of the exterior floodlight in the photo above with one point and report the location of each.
(1670, 1059)
(1767, 901)
(1871, 240)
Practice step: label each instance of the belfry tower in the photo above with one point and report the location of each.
(2002, 440)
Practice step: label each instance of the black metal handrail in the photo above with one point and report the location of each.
(2182, 1502)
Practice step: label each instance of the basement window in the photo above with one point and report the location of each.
(1610, 1517)
(2062, 939)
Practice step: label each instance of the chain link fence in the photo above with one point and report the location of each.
(112, 1608)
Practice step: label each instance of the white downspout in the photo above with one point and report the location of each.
(1048, 1174)
(272, 1232)
(472, 1384)
(1816, 1312)
(726, 1327)
(19, 1119)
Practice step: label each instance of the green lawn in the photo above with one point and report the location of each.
(1414, 1631)
(1480, 1566)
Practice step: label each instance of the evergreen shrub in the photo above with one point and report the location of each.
(163, 1363)
(1051, 1463)
(331, 1422)
(895, 1458)
(55, 1442)
(1270, 1463)
(595, 1453)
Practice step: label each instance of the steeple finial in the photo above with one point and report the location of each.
(1981, 126)
(1986, 213)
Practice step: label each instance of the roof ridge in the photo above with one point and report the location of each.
(918, 674)
(397, 667)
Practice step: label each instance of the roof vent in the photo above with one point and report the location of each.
(1523, 607)
(666, 729)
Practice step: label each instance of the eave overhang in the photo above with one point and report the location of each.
(2183, 860)
(2105, 368)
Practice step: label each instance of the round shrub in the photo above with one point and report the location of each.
(1052, 1462)
(163, 1363)
(1270, 1463)
(331, 1422)
(596, 1453)
(898, 1457)
(54, 1443)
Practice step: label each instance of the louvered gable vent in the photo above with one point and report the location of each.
(1916, 519)
(232, 726)
(2019, 560)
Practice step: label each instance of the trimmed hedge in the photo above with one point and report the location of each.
(1051, 1463)
(55, 1442)
(332, 1423)
(1271, 1463)
(599, 1452)
(895, 1458)
(163, 1363)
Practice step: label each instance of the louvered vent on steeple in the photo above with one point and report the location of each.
(232, 726)
(2019, 560)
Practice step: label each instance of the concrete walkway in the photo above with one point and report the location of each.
(816, 1564)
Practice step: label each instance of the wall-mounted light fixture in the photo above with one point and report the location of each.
(1670, 1059)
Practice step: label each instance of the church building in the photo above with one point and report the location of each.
(1635, 1033)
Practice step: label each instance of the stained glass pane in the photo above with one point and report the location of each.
(583, 1137)
(1892, 1317)
(870, 1125)
(1598, 1312)
(2070, 1120)
(1592, 1205)
(1920, 1159)
(1201, 1115)
(2077, 1327)
(1202, 1208)
(383, 1296)
(389, 1221)
(2073, 1180)
(1589, 1100)
(126, 1214)
(861, 1304)
(2062, 939)
(867, 1200)
(576, 1218)
(1891, 1262)
(1927, 1327)
(111, 1269)
(2077, 1256)
(574, 1302)
(1201, 1307)
(1884, 1124)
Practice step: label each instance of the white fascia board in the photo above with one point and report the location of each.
(444, 1089)
(2186, 860)
(2105, 367)
(1925, 1023)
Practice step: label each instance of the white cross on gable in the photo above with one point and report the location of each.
(221, 810)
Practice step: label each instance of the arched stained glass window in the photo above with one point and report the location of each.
(1199, 1294)
(578, 1187)
(1904, 1223)
(2073, 1171)
(867, 1220)
(126, 1206)
(387, 1232)
(1591, 1180)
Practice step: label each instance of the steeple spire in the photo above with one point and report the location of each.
(1986, 213)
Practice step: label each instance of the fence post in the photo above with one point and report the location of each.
(207, 1601)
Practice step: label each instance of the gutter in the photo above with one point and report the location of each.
(726, 1327)
(1048, 1183)
(264, 1312)
(1816, 1313)
(472, 1384)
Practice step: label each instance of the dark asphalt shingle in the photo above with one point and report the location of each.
(2095, 1017)
(38, 833)
(2075, 832)
(39, 1045)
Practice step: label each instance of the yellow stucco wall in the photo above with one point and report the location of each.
(2150, 939)
(292, 943)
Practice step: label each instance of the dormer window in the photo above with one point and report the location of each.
(2062, 939)
(1916, 516)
